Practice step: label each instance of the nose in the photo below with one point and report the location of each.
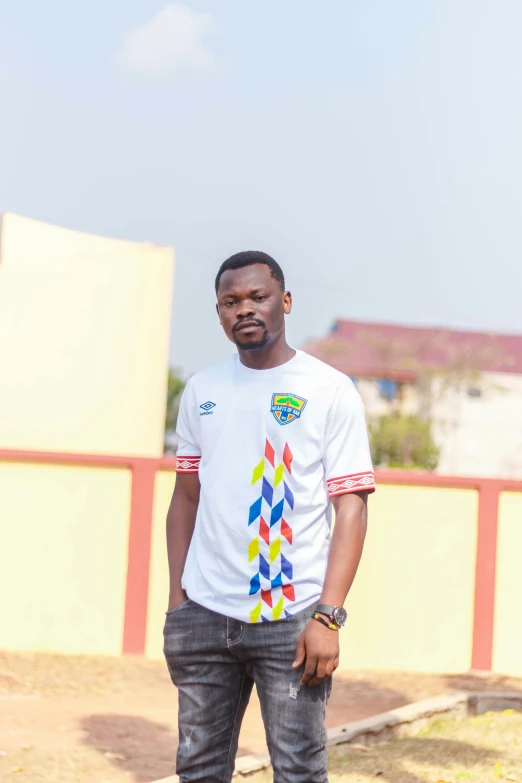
(245, 309)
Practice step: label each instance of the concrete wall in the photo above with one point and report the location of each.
(28, 241)
(507, 650)
(84, 569)
(159, 571)
(412, 604)
(414, 589)
(85, 324)
(63, 560)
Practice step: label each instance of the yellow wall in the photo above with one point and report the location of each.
(507, 644)
(85, 325)
(63, 558)
(28, 241)
(64, 561)
(159, 573)
(411, 606)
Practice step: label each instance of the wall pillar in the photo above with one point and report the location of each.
(136, 603)
(484, 608)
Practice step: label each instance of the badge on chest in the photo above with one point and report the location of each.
(287, 407)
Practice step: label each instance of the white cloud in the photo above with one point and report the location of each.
(171, 42)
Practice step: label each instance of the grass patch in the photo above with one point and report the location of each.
(482, 749)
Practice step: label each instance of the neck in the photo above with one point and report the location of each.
(271, 355)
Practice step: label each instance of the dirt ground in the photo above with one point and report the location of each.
(89, 719)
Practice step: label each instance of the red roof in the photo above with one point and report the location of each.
(389, 351)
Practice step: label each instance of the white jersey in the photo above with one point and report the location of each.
(271, 448)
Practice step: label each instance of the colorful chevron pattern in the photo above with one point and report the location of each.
(270, 547)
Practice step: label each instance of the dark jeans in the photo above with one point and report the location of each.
(214, 662)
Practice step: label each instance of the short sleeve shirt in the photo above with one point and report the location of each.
(271, 447)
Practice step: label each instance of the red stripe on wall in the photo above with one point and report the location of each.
(484, 610)
(140, 531)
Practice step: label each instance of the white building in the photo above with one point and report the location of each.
(468, 383)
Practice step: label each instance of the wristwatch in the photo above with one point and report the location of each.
(337, 614)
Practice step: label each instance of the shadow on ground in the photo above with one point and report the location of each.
(354, 699)
(147, 749)
(485, 682)
(136, 745)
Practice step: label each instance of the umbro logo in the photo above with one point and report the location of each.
(207, 408)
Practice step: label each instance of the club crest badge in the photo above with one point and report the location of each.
(287, 407)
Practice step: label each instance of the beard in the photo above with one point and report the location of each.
(251, 345)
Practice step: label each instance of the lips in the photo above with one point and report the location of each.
(247, 325)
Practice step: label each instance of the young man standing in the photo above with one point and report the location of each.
(268, 441)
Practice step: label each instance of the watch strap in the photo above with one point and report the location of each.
(325, 609)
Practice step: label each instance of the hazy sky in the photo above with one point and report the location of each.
(374, 147)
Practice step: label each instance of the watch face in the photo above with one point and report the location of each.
(339, 616)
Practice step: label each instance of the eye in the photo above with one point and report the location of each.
(260, 298)
(229, 304)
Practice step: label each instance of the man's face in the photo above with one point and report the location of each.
(251, 306)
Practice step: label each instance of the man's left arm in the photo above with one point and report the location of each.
(318, 646)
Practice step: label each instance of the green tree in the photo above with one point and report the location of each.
(403, 441)
(175, 386)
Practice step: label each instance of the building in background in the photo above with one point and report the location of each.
(467, 384)
(85, 330)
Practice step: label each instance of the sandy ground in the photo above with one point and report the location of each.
(107, 720)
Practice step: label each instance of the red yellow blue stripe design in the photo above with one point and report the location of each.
(269, 550)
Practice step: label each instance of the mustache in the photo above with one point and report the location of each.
(250, 321)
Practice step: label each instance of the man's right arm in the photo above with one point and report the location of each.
(181, 519)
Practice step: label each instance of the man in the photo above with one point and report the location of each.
(268, 440)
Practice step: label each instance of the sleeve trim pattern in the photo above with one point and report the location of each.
(187, 464)
(357, 482)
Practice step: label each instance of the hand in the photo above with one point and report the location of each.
(176, 599)
(318, 649)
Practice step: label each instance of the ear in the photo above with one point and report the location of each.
(287, 302)
(217, 311)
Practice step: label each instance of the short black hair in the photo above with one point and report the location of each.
(247, 258)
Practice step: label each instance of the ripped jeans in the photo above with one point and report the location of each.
(214, 662)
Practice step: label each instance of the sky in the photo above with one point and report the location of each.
(372, 147)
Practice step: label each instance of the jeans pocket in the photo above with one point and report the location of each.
(177, 608)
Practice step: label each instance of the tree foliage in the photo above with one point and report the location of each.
(403, 441)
